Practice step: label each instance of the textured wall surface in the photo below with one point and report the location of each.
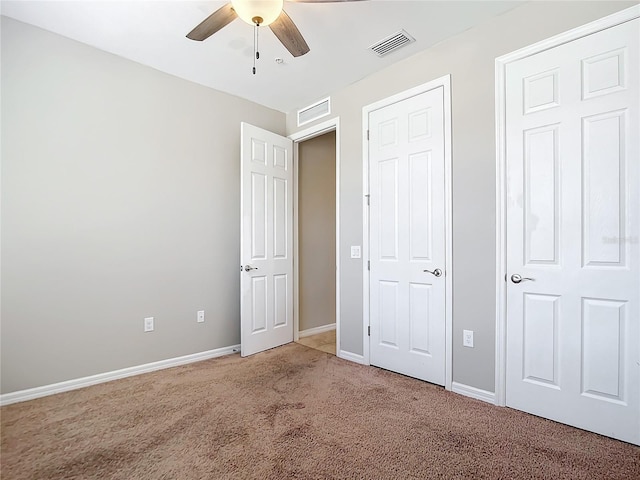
(120, 200)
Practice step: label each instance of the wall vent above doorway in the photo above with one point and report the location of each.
(314, 111)
(392, 43)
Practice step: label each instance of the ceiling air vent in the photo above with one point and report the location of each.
(392, 43)
(314, 111)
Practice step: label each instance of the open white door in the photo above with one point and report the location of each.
(266, 240)
(573, 222)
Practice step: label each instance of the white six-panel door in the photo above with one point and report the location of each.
(407, 236)
(573, 227)
(266, 240)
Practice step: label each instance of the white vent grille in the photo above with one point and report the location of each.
(392, 43)
(314, 111)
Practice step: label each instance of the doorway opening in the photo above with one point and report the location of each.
(316, 245)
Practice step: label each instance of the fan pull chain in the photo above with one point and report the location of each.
(255, 48)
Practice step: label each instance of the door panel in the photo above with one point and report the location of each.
(602, 356)
(573, 223)
(419, 306)
(603, 200)
(266, 240)
(258, 303)
(420, 207)
(258, 231)
(541, 195)
(540, 339)
(407, 236)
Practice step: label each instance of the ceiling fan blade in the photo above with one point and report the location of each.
(289, 35)
(214, 22)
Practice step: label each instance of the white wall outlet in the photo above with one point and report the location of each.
(467, 338)
(148, 324)
(355, 251)
(200, 316)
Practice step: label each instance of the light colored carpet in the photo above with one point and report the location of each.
(292, 412)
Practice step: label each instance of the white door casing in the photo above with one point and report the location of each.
(407, 236)
(572, 225)
(266, 240)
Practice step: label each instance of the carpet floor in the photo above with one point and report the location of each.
(292, 412)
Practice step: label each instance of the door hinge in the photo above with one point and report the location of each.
(367, 134)
(368, 198)
(368, 264)
(369, 330)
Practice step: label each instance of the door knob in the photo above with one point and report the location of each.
(515, 278)
(248, 268)
(437, 272)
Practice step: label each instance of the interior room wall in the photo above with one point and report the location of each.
(317, 231)
(120, 201)
(470, 59)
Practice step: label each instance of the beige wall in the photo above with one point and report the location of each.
(470, 59)
(317, 231)
(120, 200)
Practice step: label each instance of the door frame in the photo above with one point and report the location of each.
(445, 82)
(301, 136)
(501, 190)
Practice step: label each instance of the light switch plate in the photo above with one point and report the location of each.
(467, 338)
(355, 251)
(200, 316)
(148, 324)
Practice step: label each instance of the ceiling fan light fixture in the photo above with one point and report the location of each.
(262, 12)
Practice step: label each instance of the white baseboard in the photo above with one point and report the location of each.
(474, 392)
(353, 357)
(37, 392)
(314, 331)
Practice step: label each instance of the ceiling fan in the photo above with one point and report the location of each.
(258, 13)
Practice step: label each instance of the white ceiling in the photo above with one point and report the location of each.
(339, 34)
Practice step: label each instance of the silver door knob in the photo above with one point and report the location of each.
(437, 272)
(248, 268)
(515, 278)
